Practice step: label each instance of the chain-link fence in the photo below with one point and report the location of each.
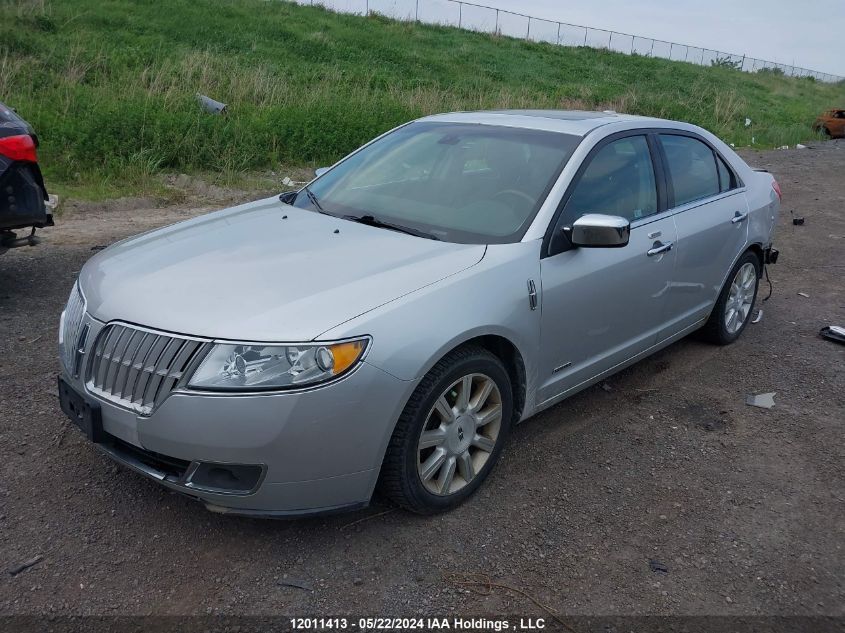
(477, 17)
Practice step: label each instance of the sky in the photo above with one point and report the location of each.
(806, 33)
(810, 33)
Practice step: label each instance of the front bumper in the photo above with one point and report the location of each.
(319, 450)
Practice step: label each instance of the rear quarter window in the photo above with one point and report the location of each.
(727, 180)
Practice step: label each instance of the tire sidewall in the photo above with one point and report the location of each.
(481, 364)
(748, 258)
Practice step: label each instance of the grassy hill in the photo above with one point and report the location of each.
(110, 85)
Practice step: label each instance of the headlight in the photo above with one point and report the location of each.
(247, 367)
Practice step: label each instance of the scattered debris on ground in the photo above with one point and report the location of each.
(833, 333)
(658, 567)
(14, 571)
(296, 583)
(763, 400)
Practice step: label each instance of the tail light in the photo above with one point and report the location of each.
(19, 147)
(776, 187)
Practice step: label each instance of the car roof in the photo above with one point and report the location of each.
(576, 122)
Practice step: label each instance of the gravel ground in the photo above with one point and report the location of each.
(662, 493)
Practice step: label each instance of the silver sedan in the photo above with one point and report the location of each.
(387, 324)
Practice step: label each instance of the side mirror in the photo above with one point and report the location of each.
(288, 197)
(595, 230)
(320, 171)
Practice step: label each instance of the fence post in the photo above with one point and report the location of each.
(686, 55)
(417, 11)
(633, 37)
(651, 53)
(671, 45)
(368, 8)
(702, 57)
(496, 30)
(558, 33)
(610, 40)
(528, 32)
(460, 14)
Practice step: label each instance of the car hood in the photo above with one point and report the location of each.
(264, 271)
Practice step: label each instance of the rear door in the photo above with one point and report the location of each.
(711, 217)
(603, 306)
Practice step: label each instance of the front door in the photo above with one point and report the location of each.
(602, 306)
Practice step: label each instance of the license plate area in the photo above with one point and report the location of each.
(84, 414)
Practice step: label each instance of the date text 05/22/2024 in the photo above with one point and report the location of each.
(421, 624)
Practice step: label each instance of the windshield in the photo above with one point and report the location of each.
(455, 182)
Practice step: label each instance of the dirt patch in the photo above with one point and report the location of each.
(665, 494)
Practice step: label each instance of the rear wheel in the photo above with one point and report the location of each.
(450, 434)
(736, 300)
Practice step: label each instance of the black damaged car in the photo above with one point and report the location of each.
(24, 203)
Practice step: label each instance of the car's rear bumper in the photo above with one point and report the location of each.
(23, 200)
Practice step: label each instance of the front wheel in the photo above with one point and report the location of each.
(733, 307)
(450, 434)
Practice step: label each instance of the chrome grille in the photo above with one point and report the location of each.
(71, 327)
(137, 368)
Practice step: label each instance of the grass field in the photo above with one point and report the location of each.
(110, 86)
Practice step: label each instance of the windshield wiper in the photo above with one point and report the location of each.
(314, 200)
(370, 220)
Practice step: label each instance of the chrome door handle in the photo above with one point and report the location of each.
(739, 217)
(659, 248)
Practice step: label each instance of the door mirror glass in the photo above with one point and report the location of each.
(320, 171)
(595, 230)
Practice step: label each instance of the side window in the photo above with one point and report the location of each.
(692, 168)
(726, 176)
(619, 180)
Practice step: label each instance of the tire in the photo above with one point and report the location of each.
(468, 434)
(724, 327)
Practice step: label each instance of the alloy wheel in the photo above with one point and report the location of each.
(459, 434)
(740, 297)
